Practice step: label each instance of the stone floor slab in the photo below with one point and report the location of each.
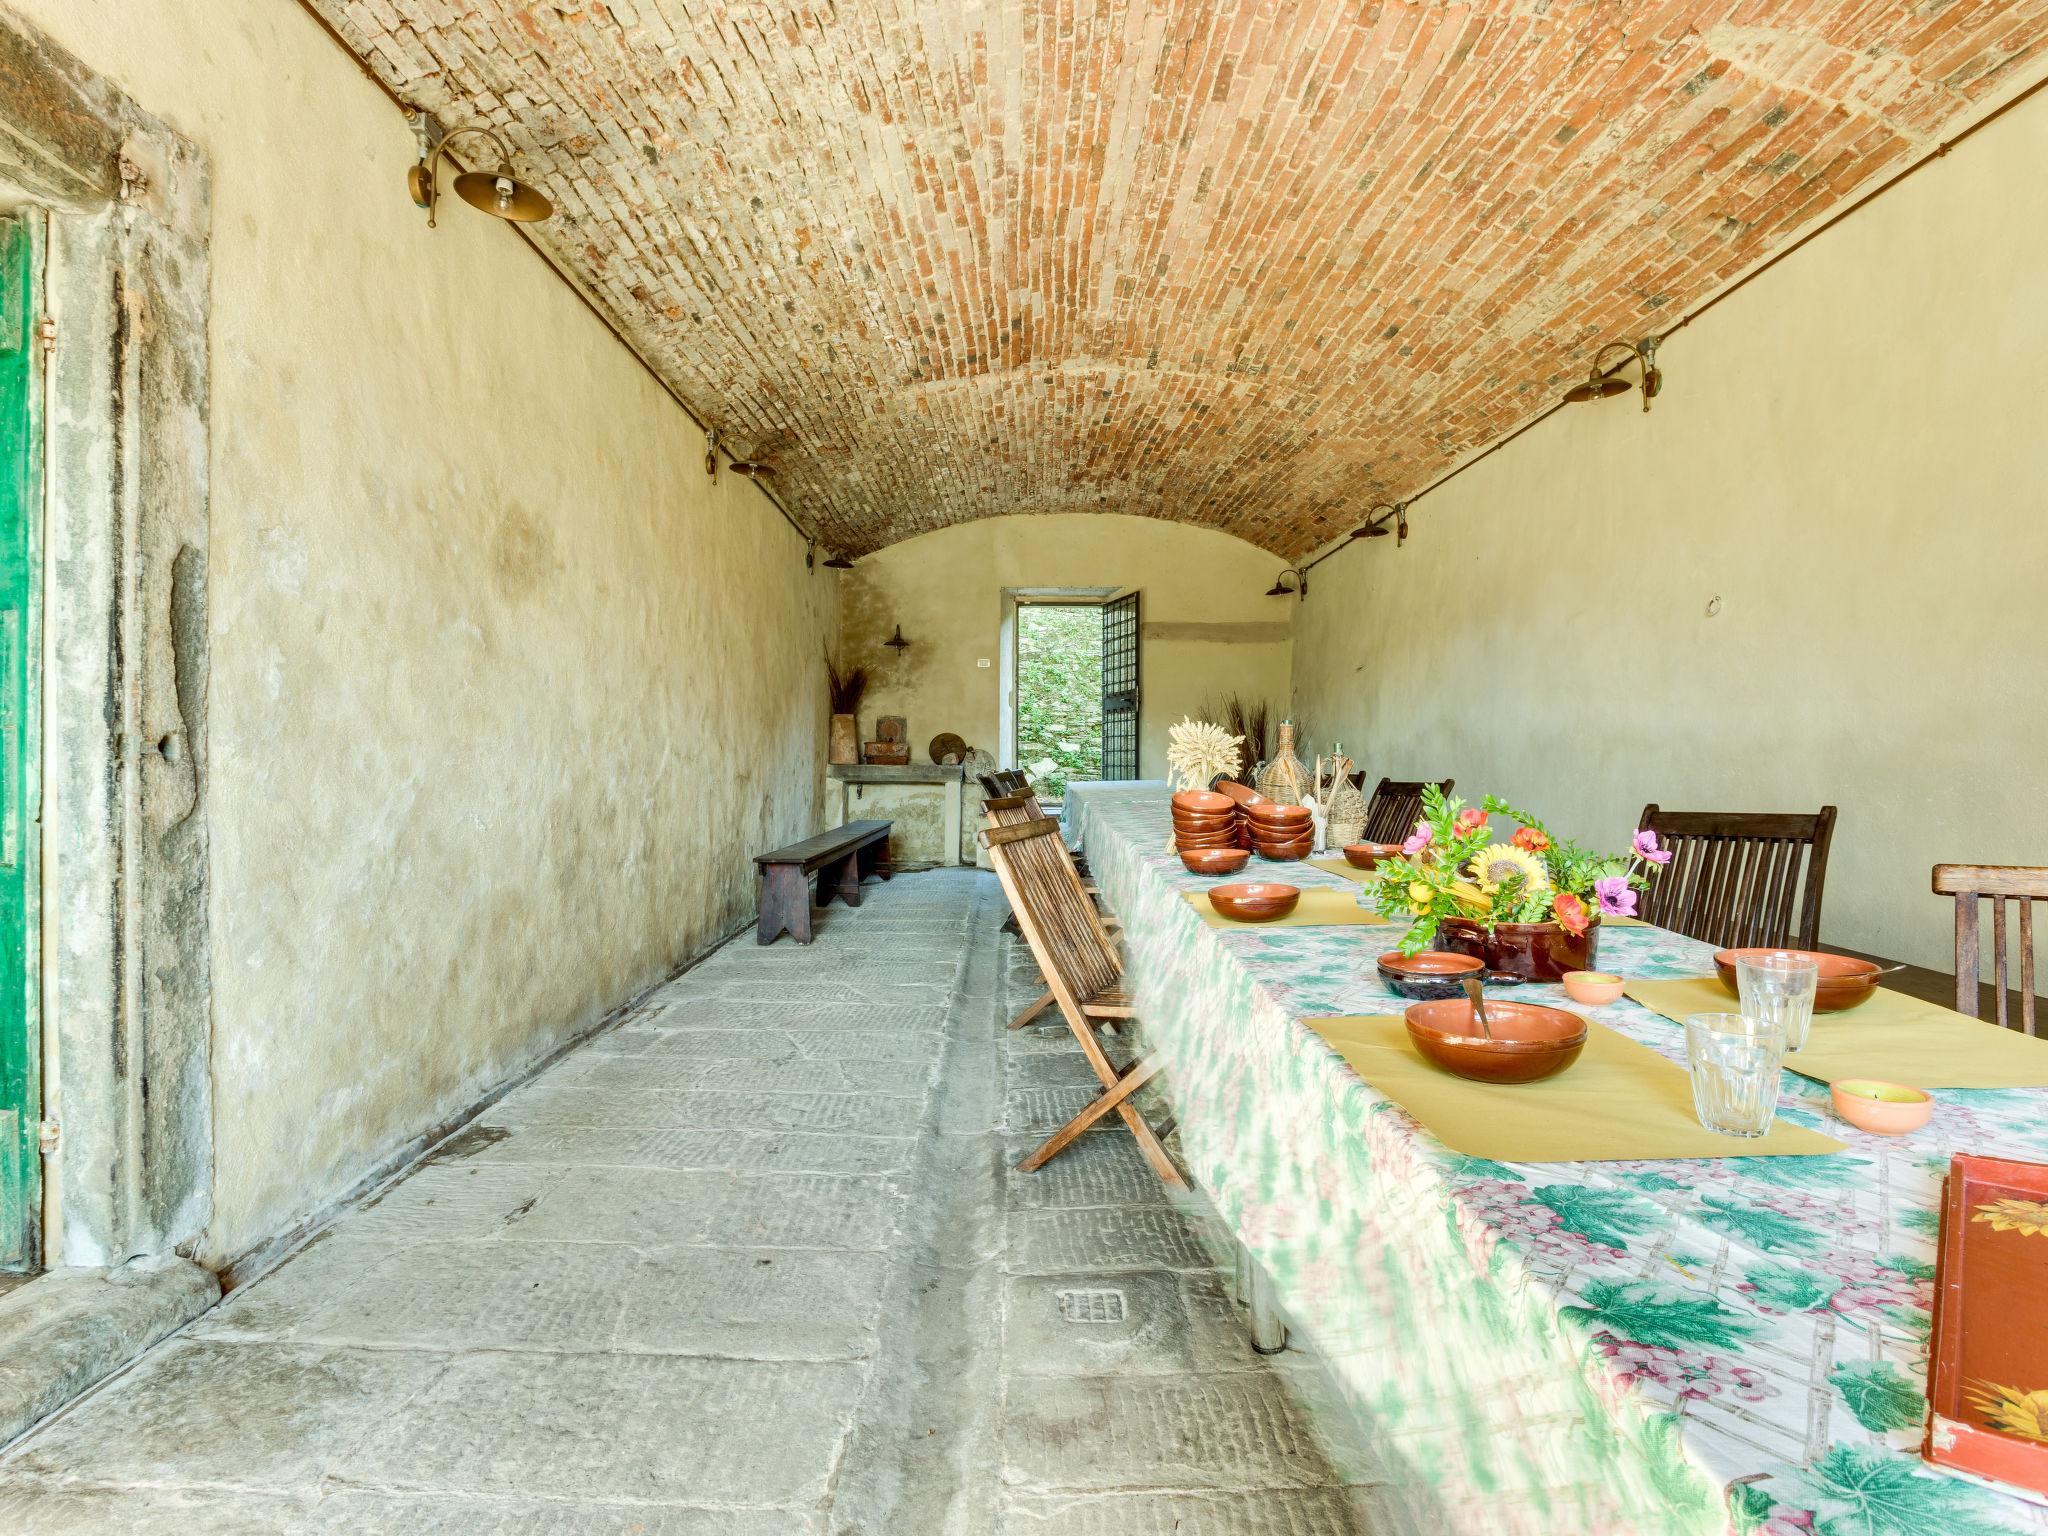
(665, 1429)
(767, 1304)
(1105, 1239)
(645, 1206)
(229, 1415)
(1281, 1512)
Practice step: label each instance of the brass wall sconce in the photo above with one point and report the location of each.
(1281, 589)
(498, 193)
(1599, 386)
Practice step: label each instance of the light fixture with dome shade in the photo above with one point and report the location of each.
(1601, 386)
(839, 563)
(1281, 589)
(1378, 518)
(498, 193)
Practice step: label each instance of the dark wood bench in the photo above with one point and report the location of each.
(841, 858)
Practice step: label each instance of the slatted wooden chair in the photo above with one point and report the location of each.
(1012, 810)
(1395, 807)
(1735, 880)
(1971, 884)
(1083, 971)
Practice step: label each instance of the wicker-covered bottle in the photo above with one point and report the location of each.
(1284, 779)
(1343, 804)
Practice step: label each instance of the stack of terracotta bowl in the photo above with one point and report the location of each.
(1205, 832)
(1280, 831)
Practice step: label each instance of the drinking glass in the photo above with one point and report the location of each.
(1779, 987)
(1734, 1064)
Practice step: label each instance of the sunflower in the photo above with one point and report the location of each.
(2011, 1214)
(2017, 1413)
(1504, 863)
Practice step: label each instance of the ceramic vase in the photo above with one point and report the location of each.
(1532, 951)
(845, 740)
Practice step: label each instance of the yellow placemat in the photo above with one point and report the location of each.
(1338, 866)
(1618, 1100)
(1320, 906)
(1623, 922)
(1893, 1037)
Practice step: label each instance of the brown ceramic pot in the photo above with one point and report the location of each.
(1203, 802)
(1214, 861)
(1532, 951)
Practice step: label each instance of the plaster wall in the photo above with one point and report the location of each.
(503, 691)
(1848, 454)
(1207, 631)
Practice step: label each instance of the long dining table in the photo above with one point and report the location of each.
(1666, 1347)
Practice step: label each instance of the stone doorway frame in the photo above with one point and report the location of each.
(126, 990)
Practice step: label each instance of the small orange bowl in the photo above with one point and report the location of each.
(1204, 802)
(1239, 794)
(1214, 861)
(1255, 902)
(1368, 855)
(1278, 816)
(1593, 988)
(1883, 1109)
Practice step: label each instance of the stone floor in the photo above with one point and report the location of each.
(753, 1263)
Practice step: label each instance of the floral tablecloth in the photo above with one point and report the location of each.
(1659, 1347)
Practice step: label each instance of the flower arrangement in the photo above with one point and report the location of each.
(1450, 866)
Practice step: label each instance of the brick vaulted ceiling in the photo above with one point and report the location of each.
(1256, 264)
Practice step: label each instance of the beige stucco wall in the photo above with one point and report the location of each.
(1208, 629)
(1849, 453)
(504, 693)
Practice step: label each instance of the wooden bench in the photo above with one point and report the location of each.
(841, 858)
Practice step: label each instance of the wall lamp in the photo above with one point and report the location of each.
(839, 563)
(498, 193)
(1281, 589)
(744, 468)
(1376, 527)
(1599, 386)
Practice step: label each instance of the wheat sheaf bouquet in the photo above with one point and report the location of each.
(1451, 867)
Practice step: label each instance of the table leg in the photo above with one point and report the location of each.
(1269, 1328)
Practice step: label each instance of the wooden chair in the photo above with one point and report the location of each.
(1970, 884)
(1734, 879)
(1395, 807)
(1013, 810)
(1083, 971)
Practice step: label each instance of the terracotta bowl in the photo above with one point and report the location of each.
(1241, 794)
(1185, 840)
(1593, 988)
(1214, 861)
(1277, 816)
(1283, 847)
(1429, 975)
(1883, 1109)
(1204, 802)
(1529, 1041)
(1204, 823)
(1844, 980)
(1368, 855)
(1291, 853)
(1256, 902)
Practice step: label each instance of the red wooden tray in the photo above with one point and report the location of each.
(1988, 1367)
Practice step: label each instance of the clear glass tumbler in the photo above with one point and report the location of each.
(1779, 987)
(1734, 1064)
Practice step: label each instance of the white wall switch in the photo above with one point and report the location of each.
(981, 661)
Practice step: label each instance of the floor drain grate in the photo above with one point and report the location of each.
(1091, 1306)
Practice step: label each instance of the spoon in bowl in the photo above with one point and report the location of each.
(1478, 1004)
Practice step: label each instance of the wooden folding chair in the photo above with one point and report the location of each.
(1081, 968)
(1010, 810)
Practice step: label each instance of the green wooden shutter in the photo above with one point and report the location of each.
(20, 813)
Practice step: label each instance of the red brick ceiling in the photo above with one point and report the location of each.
(1247, 263)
